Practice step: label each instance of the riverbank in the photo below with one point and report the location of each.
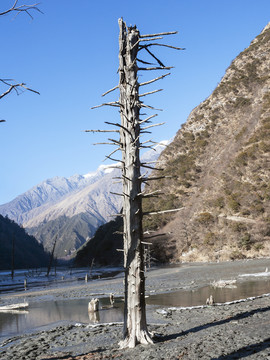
(213, 332)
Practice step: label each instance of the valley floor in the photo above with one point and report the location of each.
(235, 331)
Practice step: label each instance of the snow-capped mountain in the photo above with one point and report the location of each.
(71, 208)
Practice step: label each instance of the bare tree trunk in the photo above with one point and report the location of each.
(12, 256)
(135, 326)
(51, 258)
(130, 130)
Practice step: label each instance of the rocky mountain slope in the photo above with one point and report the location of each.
(70, 209)
(29, 205)
(219, 163)
(75, 219)
(28, 253)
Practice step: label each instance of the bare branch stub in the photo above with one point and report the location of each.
(102, 131)
(162, 211)
(159, 34)
(109, 91)
(151, 92)
(151, 81)
(18, 88)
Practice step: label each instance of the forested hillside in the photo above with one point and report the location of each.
(28, 253)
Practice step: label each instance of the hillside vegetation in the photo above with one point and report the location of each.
(102, 248)
(28, 253)
(219, 168)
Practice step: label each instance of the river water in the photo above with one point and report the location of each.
(76, 310)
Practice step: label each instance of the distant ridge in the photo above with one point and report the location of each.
(73, 208)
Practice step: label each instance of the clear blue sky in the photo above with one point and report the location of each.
(70, 55)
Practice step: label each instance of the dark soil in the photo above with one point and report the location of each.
(236, 331)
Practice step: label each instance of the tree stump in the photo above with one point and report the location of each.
(93, 305)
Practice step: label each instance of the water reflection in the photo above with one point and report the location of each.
(45, 313)
(94, 317)
(199, 296)
(48, 312)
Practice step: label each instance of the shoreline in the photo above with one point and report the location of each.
(210, 332)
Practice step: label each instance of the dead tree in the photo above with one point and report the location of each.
(9, 84)
(51, 257)
(12, 256)
(23, 8)
(130, 130)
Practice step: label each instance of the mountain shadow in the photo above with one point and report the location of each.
(102, 248)
(28, 253)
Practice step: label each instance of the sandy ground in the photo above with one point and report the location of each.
(233, 331)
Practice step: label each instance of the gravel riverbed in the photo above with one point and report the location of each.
(228, 331)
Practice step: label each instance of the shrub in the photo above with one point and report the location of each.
(258, 246)
(201, 143)
(241, 159)
(233, 204)
(245, 212)
(264, 147)
(238, 227)
(237, 255)
(219, 202)
(258, 207)
(245, 241)
(188, 136)
(241, 101)
(205, 218)
(240, 134)
(209, 238)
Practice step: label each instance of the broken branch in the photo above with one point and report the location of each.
(151, 81)
(149, 52)
(116, 142)
(22, 8)
(144, 62)
(147, 119)
(15, 87)
(118, 125)
(153, 125)
(159, 34)
(107, 92)
(152, 168)
(113, 103)
(104, 143)
(162, 212)
(150, 92)
(157, 68)
(116, 194)
(149, 107)
(143, 179)
(114, 151)
(140, 40)
(154, 236)
(102, 131)
(165, 45)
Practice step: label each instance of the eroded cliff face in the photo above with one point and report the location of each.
(219, 163)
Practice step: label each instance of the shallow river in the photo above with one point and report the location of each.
(48, 312)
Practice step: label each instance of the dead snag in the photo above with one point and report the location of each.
(130, 131)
